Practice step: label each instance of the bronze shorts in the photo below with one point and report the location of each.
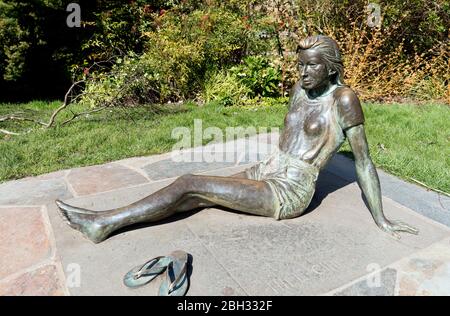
(292, 181)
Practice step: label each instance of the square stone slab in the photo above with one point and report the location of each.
(24, 239)
(381, 284)
(426, 272)
(233, 253)
(33, 191)
(90, 180)
(43, 281)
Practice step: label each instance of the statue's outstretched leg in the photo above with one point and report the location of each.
(185, 193)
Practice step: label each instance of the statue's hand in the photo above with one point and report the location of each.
(393, 227)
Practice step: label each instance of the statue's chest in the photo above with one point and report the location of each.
(309, 117)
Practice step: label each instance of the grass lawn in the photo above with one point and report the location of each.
(410, 141)
(406, 140)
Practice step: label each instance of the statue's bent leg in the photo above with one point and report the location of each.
(192, 202)
(237, 193)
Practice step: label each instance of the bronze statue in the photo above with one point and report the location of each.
(323, 112)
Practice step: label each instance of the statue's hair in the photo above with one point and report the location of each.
(329, 50)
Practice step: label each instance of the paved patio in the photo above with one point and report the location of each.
(334, 249)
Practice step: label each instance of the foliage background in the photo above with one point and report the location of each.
(172, 50)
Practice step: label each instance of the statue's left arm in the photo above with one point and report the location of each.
(351, 120)
(369, 183)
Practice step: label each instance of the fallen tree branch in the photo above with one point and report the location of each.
(14, 117)
(75, 115)
(64, 105)
(8, 117)
(4, 131)
(67, 102)
(70, 97)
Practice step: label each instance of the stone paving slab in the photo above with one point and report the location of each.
(307, 255)
(381, 284)
(90, 180)
(424, 273)
(24, 239)
(33, 191)
(44, 281)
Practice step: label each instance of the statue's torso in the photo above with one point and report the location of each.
(312, 131)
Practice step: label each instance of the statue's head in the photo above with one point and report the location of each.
(320, 62)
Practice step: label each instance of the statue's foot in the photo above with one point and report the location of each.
(85, 221)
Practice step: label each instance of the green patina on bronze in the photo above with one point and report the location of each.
(323, 113)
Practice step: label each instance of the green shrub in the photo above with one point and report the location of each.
(178, 54)
(259, 76)
(225, 89)
(165, 73)
(116, 28)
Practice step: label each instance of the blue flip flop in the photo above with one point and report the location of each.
(143, 274)
(176, 281)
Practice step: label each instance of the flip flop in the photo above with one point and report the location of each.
(176, 281)
(143, 274)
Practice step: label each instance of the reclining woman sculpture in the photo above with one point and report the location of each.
(323, 112)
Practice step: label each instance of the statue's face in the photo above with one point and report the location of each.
(313, 70)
